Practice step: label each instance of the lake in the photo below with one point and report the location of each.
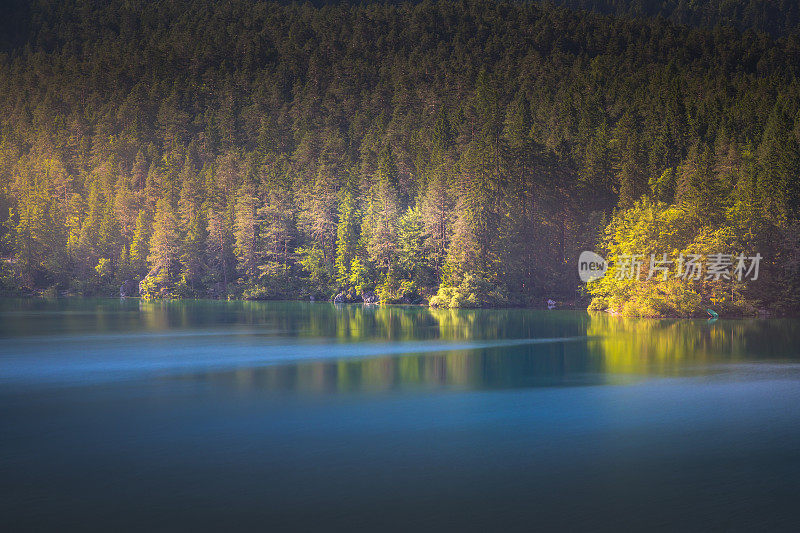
(205, 415)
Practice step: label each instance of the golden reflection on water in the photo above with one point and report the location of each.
(667, 347)
(611, 348)
(608, 347)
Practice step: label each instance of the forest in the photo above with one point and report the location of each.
(456, 153)
(774, 17)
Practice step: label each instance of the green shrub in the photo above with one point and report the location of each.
(474, 291)
(393, 291)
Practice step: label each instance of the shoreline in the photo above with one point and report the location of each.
(762, 315)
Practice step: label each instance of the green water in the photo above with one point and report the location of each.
(130, 415)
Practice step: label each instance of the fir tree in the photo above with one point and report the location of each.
(164, 255)
(347, 235)
(140, 245)
(246, 228)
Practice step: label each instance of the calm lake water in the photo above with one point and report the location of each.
(128, 415)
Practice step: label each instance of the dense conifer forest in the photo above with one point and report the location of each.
(462, 153)
(774, 17)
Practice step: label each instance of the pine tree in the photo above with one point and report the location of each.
(520, 255)
(779, 165)
(662, 187)
(413, 256)
(347, 235)
(140, 245)
(442, 137)
(108, 235)
(192, 193)
(478, 235)
(219, 246)
(698, 190)
(90, 229)
(123, 272)
(321, 212)
(193, 250)
(518, 123)
(164, 255)
(631, 175)
(380, 220)
(246, 228)
(437, 212)
(277, 229)
(36, 236)
(436, 202)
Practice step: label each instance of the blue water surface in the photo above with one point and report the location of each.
(271, 416)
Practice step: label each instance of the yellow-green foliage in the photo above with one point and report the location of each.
(103, 267)
(397, 291)
(651, 227)
(472, 292)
